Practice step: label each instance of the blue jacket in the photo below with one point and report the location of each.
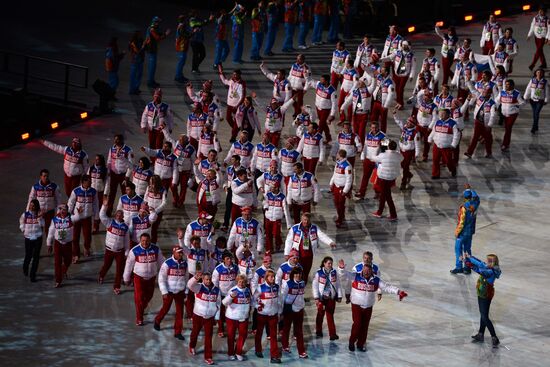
(487, 276)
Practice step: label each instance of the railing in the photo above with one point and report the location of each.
(42, 69)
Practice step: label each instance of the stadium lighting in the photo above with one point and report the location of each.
(439, 24)
(497, 12)
(526, 7)
(84, 115)
(54, 125)
(468, 18)
(411, 29)
(25, 136)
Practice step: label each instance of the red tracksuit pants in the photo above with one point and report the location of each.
(300, 101)
(270, 323)
(341, 98)
(208, 325)
(234, 326)
(446, 64)
(155, 228)
(360, 327)
(70, 184)
(84, 225)
(115, 180)
(408, 156)
(368, 168)
(156, 138)
(167, 185)
(359, 121)
(119, 259)
(488, 48)
(400, 82)
(445, 155)
(62, 259)
(539, 53)
(481, 131)
(385, 196)
(339, 202)
(310, 164)
(335, 79)
(184, 177)
(306, 260)
(296, 211)
(323, 116)
(380, 114)
(274, 137)
(424, 132)
(230, 118)
(296, 319)
(167, 299)
(143, 293)
(508, 124)
(273, 230)
(326, 306)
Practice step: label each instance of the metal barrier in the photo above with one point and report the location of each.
(30, 71)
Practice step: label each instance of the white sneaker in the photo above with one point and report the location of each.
(303, 47)
(241, 358)
(232, 358)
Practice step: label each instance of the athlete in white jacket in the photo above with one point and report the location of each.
(340, 185)
(172, 281)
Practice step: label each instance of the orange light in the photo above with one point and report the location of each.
(54, 125)
(498, 12)
(526, 7)
(439, 24)
(83, 115)
(25, 136)
(411, 29)
(468, 18)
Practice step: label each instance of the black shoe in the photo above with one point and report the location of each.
(362, 349)
(467, 271)
(496, 342)
(457, 271)
(351, 347)
(259, 354)
(319, 335)
(334, 337)
(33, 279)
(275, 360)
(26, 272)
(478, 338)
(156, 326)
(270, 54)
(435, 177)
(179, 336)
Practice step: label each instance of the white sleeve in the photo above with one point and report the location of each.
(130, 261)
(55, 147)
(163, 279)
(315, 286)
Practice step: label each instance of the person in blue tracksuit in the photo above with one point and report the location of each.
(488, 272)
(112, 62)
(182, 47)
(258, 22)
(272, 26)
(304, 21)
(290, 24)
(136, 50)
(152, 39)
(465, 229)
(237, 31)
(222, 46)
(334, 19)
(320, 10)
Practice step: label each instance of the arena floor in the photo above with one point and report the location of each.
(86, 324)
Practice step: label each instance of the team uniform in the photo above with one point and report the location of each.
(117, 245)
(326, 105)
(144, 264)
(510, 102)
(371, 148)
(302, 190)
(384, 96)
(358, 103)
(75, 164)
(155, 116)
(119, 163)
(306, 241)
(275, 208)
(445, 136)
(235, 95)
(340, 185)
(312, 149)
(60, 236)
(172, 280)
(87, 200)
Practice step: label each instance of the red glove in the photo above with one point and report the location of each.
(469, 264)
(402, 294)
